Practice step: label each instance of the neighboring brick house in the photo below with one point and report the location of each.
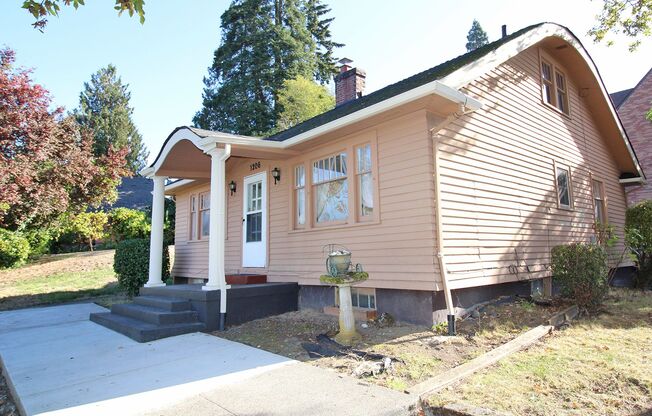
(632, 106)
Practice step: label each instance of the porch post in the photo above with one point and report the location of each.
(216, 277)
(156, 236)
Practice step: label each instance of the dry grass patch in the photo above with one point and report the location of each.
(601, 365)
(422, 353)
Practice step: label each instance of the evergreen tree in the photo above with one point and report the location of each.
(301, 99)
(264, 43)
(476, 38)
(104, 109)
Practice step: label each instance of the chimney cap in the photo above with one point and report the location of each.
(345, 61)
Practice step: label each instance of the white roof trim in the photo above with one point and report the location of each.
(434, 87)
(641, 181)
(205, 140)
(178, 184)
(477, 68)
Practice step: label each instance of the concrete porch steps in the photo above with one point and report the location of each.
(150, 318)
(171, 304)
(141, 331)
(154, 315)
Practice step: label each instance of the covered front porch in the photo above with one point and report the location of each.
(192, 156)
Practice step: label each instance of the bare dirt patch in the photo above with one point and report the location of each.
(420, 352)
(7, 404)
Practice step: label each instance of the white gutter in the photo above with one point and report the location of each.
(443, 272)
(638, 180)
(434, 87)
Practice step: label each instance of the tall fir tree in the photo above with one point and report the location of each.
(476, 38)
(264, 43)
(104, 109)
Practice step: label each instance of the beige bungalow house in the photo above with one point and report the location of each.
(449, 187)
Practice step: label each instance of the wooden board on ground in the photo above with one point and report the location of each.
(456, 374)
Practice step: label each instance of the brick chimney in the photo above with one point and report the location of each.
(349, 83)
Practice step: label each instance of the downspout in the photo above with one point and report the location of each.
(434, 134)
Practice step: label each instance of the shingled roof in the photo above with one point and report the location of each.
(422, 78)
(619, 97)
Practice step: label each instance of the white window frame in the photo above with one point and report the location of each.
(559, 166)
(356, 294)
(555, 88)
(367, 170)
(202, 196)
(298, 187)
(315, 182)
(193, 230)
(602, 200)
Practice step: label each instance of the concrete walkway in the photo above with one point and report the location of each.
(57, 362)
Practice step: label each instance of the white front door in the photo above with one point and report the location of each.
(254, 221)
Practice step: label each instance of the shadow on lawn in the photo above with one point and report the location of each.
(50, 298)
(624, 309)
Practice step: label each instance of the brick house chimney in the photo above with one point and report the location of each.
(349, 83)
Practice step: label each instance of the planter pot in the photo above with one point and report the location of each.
(339, 263)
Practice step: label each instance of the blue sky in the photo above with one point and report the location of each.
(165, 59)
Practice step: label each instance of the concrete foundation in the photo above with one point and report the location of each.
(416, 306)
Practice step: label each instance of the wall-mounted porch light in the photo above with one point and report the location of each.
(276, 174)
(232, 187)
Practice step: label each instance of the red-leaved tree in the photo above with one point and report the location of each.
(47, 165)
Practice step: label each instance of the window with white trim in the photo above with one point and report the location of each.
(554, 87)
(365, 194)
(564, 189)
(599, 204)
(361, 297)
(204, 214)
(300, 195)
(193, 217)
(330, 186)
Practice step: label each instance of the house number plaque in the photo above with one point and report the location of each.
(254, 166)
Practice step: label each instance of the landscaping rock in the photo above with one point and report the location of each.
(446, 339)
(373, 368)
(384, 320)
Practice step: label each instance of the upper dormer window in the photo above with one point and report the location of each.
(554, 87)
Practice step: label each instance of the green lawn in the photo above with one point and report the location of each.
(59, 279)
(601, 365)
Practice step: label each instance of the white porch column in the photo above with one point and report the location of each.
(156, 236)
(216, 278)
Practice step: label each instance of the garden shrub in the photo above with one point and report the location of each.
(131, 264)
(14, 248)
(90, 226)
(127, 224)
(39, 242)
(638, 234)
(582, 272)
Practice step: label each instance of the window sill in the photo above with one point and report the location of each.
(555, 109)
(204, 240)
(333, 227)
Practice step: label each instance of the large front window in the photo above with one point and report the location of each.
(329, 179)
